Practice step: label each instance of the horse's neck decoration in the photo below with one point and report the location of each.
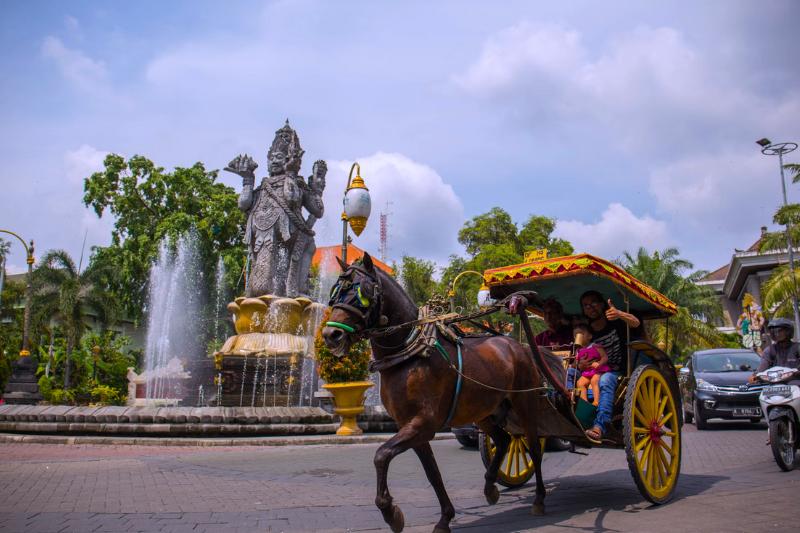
(417, 394)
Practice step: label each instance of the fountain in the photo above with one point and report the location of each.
(262, 380)
(174, 338)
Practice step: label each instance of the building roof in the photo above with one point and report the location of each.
(325, 258)
(722, 272)
(718, 275)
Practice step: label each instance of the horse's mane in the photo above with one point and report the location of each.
(387, 280)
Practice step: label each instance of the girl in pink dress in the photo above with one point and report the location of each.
(592, 361)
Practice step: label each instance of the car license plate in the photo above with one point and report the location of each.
(747, 411)
(778, 390)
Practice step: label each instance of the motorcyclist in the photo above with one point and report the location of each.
(783, 351)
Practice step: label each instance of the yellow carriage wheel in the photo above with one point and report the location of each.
(517, 467)
(652, 434)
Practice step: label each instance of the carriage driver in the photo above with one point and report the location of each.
(608, 327)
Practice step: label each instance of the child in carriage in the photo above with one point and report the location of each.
(595, 357)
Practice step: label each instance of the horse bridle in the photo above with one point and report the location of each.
(347, 295)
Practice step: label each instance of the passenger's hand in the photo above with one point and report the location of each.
(612, 313)
(595, 365)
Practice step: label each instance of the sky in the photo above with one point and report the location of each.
(631, 123)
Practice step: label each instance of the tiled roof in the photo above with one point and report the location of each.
(328, 254)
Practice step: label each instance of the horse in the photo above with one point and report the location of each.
(502, 387)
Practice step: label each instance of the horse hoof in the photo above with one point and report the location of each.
(492, 495)
(537, 509)
(398, 522)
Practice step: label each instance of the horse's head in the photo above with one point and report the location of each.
(356, 304)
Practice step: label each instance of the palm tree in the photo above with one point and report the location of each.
(778, 290)
(62, 292)
(698, 306)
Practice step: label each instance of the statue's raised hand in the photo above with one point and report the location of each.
(243, 165)
(317, 178)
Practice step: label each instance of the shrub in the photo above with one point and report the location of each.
(351, 367)
(105, 395)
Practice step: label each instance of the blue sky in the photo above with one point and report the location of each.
(632, 124)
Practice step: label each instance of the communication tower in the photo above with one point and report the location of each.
(384, 247)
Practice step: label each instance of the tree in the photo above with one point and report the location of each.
(417, 275)
(536, 234)
(492, 228)
(64, 293)
(698, 306)
(11, 310)
(781, 286)
(493, 240)
(149, 205)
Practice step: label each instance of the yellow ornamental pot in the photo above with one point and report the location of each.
(348, 401)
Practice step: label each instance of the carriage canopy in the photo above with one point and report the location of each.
(566, 278)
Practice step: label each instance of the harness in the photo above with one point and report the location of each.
(366, 305)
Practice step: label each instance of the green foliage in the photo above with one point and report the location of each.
(777, 291)
(149, 205)
(105, 395)
(698, 307)
(492, 228)
(418, 278)
(11, 318)
(494, 240)
(63, 293)
(354, 366)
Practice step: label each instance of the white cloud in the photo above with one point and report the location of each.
(725, 192)
(81, 163)
(617, 231)
(78, 68)
(646, 87)
(425, 213)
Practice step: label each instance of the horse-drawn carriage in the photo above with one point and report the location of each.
(433, 376)
(647, 415)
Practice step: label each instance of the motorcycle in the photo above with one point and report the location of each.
(780, 403)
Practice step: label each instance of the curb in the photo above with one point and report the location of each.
(300, 440)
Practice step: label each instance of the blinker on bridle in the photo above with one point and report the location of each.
(349, 296)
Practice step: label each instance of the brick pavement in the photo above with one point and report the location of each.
(331, 488)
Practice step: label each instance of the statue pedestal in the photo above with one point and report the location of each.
(22, 386)
(263, 363)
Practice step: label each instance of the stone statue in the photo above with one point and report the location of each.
(277, 235)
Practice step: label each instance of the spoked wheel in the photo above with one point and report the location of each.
(517, 467)
(781, 440)
(652, 434)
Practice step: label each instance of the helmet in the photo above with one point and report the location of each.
(776, 323)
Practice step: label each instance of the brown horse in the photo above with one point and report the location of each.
(419, 392)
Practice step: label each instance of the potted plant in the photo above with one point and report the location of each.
(346, 379)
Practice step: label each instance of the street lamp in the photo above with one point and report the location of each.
(22, 386)
(357, 206)
(483, 293)
(25, 351)
(768, 148)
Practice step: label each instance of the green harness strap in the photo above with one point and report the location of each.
(458, 380)
(348, 329)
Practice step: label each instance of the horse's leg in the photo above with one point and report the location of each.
(409, 436)
(541, 492)
(425, 454)
(501, 441)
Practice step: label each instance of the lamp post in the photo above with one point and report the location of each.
(768, 148)
(357, 206)
(22, 386)
(483, 292)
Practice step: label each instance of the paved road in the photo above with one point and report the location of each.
(729, 482)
